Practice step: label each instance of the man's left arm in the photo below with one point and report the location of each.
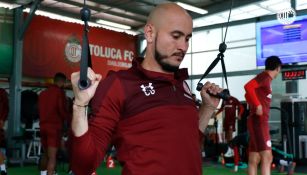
(205, 113)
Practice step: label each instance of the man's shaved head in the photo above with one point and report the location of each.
(164, 12)
(167, 32)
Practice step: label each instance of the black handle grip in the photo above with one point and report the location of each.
(85, 13)
(223, 95)
(84, 84)
(84, 81)
(199, 86)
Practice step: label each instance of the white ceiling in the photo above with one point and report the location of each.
(133, 13)
(253, 10)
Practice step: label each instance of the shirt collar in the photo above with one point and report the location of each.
(181, 74)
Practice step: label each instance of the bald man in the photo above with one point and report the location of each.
(147, 111)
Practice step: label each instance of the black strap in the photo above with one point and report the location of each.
(220, 56)
(85, 62)
(224, 70)
(212, 65)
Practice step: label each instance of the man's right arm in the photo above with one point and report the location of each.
(251, 95)
(82, 99)
(250, 89)
(90, 139)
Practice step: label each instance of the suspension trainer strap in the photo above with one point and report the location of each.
(220, 56)
(224, 70)
(212, 65)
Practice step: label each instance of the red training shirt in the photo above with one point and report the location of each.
(152, 120)
(52, 108)
(259, 92)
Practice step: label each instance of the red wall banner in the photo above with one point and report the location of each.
(52, 46)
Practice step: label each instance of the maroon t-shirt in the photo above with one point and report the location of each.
(230, 106)
(258, 92)
(151, 119)
(52, 108)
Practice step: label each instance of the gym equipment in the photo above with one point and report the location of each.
(222, 48)
(85, 62)
(296, 126)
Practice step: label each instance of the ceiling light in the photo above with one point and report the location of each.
(192, 8)
(113, 24)
(79, 21)
(55, 16)
(249, 8)
(8, 5)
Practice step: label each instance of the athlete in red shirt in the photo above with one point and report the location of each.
(230, 107)
(52, 113)
(4, 110)
(258, 96)
(147, 110)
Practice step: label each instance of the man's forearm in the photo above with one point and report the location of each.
(79, 122)
(205, 113)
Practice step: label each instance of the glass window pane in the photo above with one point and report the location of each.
(186, 63)
(240, 59)
(190, 46)
(206, 40)
(241, 32)
(236, 85)
(201, 61)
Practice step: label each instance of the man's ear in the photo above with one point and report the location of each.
(149, 32)
(278, 69)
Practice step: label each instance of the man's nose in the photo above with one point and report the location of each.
(183, 45)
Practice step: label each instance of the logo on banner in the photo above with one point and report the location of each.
(286, 16)
(73, 50)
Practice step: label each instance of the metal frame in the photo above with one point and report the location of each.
(20, 28)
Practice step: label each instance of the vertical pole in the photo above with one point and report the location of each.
(293, 4)
(15, 80)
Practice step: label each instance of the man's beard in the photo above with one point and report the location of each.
(165, 66)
